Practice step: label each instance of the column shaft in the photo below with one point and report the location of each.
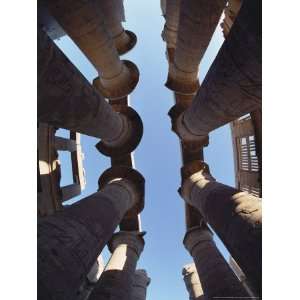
(232, 86)
(67, 100)
(234, 215)
(113, 11)
(197, 23)
(169, 34)
(217, 278)
(84, 23)
(116, 280)
(192, 282)
(140, 284)
(70, 241)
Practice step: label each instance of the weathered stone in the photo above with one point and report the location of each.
(216, 277)
(85, 24)
(70, 241)
(232, 86)
(234, 215)
(116, 280)
(197, 22)
(114, 15)
(140, 284)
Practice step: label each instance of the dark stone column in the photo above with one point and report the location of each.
(116, 280)
(198, 20)
(217, 278)
(114, 15)
(67, 100)
(70, 241)
(85, 24)
(234, 215)
(232, 86)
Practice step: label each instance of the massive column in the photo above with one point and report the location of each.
(70, 241)
(232, 86)
(67, 100)
(192, 282)
(169, 34)
(116, 280)
(217, 278)
(85, 24)
(113, 11)
(198, 20)
(140, 284)
(234, 215)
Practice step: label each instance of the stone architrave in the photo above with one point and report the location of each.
(85, 24)
(234, 215)
(192, 282)
(140, 284)
(116, 280)
(232, 86)
(70, 241)
(114, 15)
(169, 34)
(217, 278)
(67, 100)
(198, 20)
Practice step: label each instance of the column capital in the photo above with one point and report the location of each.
(129, 138)
(191, 173)
(129, 178)
(132, 239)
(195, 235)
(141, 278)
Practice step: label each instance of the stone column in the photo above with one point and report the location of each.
(234, 215)
(217, 278)
(67, 100)
(192, 282)
(85, 24)
(91, 279)
(140, 284)
(63, 144)
(198, 20)
(113, 12)
(232, 86)
(117, 278)
(70, 241)
(169, 34)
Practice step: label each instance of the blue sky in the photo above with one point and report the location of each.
(158, 156)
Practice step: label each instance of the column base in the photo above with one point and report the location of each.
(133, 176)
(124, 89)
(125, 48)
(132, 140)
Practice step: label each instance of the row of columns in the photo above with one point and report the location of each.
(231, 88)
(70, 241)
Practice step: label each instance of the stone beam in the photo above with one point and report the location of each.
(216, 277)
(232, 86)
(67, 100)
(70, 241)
(116, 78)
(117, 278)
(234, 215)
(198, 20)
